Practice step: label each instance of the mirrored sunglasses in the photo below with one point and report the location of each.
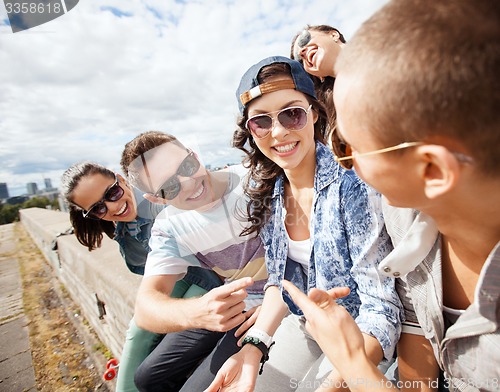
(98, 210)
(293, 118)
(172, 186)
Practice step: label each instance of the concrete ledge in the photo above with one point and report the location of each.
(96, 281)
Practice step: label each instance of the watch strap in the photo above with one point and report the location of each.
(261, 346)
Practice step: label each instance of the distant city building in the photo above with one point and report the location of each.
(48, 183)
(32, 188)
(17, 200)
(51, 194)
(4, 191)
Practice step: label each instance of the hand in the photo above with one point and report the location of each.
(251, 316)
(324, 316)
(239, 372)
(221, 309)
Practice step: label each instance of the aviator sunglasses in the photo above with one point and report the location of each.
(293, 118)
(344, 154)
(98, 210)
(172, 186)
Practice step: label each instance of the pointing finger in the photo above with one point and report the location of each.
(298, 296)
(230, 288)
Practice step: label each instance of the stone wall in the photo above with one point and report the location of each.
(98, 281)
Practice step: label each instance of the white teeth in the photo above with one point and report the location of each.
(198, 192)
(286, 148)
(122, 210)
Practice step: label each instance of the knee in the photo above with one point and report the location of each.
(143, 378)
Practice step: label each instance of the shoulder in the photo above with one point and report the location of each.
(330, 176)
(238, 169)
(347, 185)
(146, 209)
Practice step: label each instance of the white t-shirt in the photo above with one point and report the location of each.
(210, 239)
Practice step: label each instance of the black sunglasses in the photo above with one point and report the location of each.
(302, 40)
(172, 186)
(98, 210)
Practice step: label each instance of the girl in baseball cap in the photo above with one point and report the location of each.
(321, 227)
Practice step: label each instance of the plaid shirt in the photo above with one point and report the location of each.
(469, 350)
(348, 240)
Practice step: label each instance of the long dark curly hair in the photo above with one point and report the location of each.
(263, 171)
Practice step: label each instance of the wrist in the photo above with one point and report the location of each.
(197, 308)
(261, 346)
(251, 352)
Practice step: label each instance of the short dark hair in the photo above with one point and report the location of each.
(141, 144)
(138, 147)
(428, 69)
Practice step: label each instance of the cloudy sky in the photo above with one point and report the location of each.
(81, 86)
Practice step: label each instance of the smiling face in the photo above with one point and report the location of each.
(176, 175)
(286, 148)
(319, 54)
(92, 188)
(395, 174)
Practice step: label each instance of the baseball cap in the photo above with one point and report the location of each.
(250, 88)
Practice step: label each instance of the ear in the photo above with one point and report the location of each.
(153, 199)
(335, 35)
(440, 170)
(315, 115)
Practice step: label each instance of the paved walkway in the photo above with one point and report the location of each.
(16, 367)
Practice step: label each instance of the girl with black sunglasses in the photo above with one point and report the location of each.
(317, 47)
(102, 202)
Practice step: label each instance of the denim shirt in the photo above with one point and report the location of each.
(348, 241)
(133, 237)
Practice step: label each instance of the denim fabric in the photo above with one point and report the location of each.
(134, 248)
(348, 241)
(204, 278)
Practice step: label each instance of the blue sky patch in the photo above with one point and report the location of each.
(117, 12)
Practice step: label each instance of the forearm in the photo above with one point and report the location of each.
(220, 309)
(158, 312)
(366, 377)
(356, 375)
(339, 382)
(272, 312)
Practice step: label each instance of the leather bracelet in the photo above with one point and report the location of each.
(261, 346)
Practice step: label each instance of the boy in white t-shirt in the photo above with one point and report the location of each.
(201, 226)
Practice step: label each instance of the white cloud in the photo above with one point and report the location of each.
(81, 86)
